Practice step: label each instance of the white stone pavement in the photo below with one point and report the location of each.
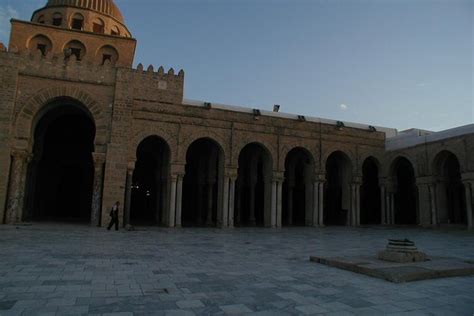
(58, 269)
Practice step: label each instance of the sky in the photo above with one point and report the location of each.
(393, 63)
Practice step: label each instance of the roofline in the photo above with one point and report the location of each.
(389, 132)
(405, 141)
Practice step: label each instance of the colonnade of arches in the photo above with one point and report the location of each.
(62, 182)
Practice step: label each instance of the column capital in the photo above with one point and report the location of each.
(357, 180)
(20, 154)
(99, 158)
(467, 176)
(278, 176)
(425, 180)
(131, 166)
(178, 168)
(231, 172)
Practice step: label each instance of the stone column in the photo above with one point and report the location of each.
(352, 211)
(225, 202)
(274, 203)
(253, 181)
(392, 208)
(382, 205)
(434, 210)
(128, 193)
(179, 200)
(321, 203)
(232, 181)
(99, 161)
(290, 202)
(279, 202)
(210, 197)
(199, 202)
(358, 204)
(424, 201)
(172, 210)
(16, 186)
(315, 203)
(469, 189)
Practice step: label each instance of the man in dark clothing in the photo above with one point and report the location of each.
(114, 216)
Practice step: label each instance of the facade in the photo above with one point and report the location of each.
(81, 129)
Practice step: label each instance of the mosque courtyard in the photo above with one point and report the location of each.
(65, 269)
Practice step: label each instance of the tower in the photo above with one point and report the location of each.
(87, 30)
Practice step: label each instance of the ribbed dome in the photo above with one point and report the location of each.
(106, 7)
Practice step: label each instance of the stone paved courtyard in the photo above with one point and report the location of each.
(67, 269)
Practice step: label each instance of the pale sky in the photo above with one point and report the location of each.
(401, 64)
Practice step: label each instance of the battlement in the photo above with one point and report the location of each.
(55, 66)
(158, 85)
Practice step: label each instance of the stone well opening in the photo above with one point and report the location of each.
(60, 176)
(150, 183)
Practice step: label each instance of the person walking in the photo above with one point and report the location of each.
(114, 216)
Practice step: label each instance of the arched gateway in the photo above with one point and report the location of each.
(60, 176)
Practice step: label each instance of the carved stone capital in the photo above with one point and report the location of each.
(99, 158)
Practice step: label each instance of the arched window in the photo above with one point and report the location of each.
(41, 43)
(75, 48)
(107, 54)
(40, 19)
(57, 19)
(115, 31)
(98, 26)
(77, 22)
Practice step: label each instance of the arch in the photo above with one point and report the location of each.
(60, 175)
(150, 182)
(34, 106)
(337, 195)
(42, 43)
(450, 193)
(115, 31)
(328, 152)
(189, 137)
(268, 147)
(203, 183)
(253, 186)
(405, 192)
(75, 48)
(41, 19)
(148, 130)
(57, 19)
(107, 53)
(389, 167)
(77, 21)
(298, 187)
(370, 199)
(98, 26)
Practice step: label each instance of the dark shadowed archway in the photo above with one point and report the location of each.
(370, 200)
(298, 188)
(406, 193)
(202, 183)
(451, 203)
(337, 196)
(150, 182)
(253, 187)
(61, 173)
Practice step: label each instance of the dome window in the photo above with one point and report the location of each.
(41, 43)
(77, 22)
(75, 48)
(57, 19)
(98, 26)
(108, 54)
(115, 31)
(41, 19)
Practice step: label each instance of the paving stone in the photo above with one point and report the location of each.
(236, 309)
(157, 270)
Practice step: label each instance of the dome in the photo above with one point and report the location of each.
(106, 7)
